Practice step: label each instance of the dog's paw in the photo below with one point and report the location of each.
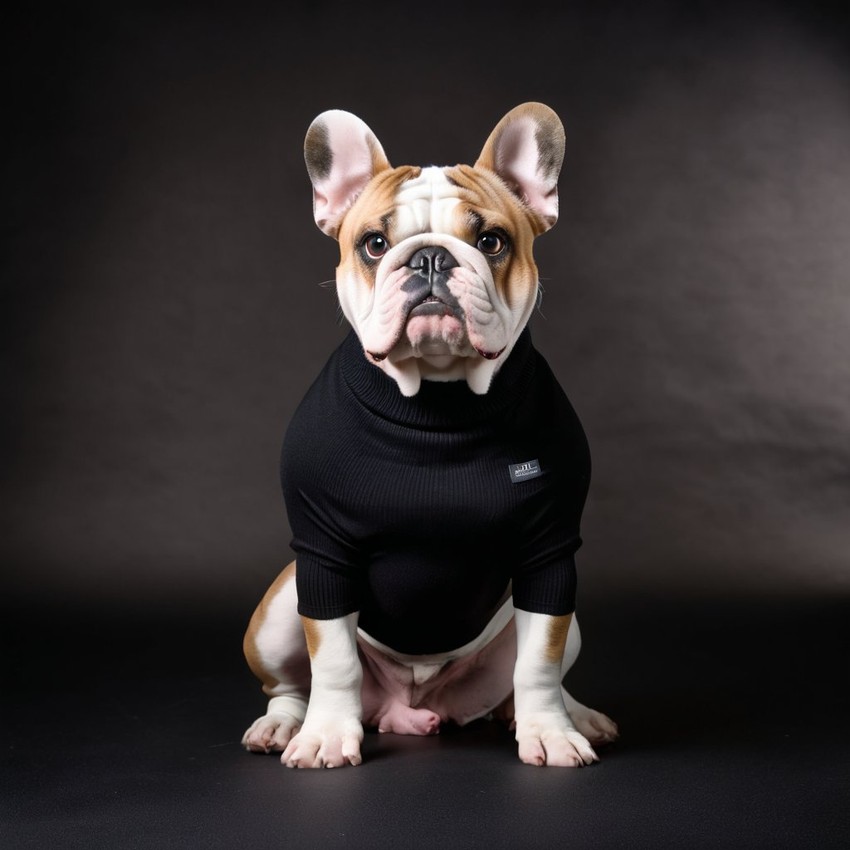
(549, 740)
(325, 744)
(597, 727)
(270, 733)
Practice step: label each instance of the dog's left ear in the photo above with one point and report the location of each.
(526, 149)
(342, 155)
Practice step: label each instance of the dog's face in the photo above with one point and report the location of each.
(436, 274)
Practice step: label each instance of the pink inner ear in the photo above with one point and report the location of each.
(518, 160)
(351, 170)
(333, 196)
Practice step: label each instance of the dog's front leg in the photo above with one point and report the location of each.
(544, 731)
(332, 730)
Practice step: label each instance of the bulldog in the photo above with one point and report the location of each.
(435, 473)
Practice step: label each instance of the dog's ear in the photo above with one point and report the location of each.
(526, 149)
(342, 156)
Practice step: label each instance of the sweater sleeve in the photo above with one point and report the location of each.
(547, 585)
(544, 579)
(328, 578)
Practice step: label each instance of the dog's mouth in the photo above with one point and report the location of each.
(431, 305)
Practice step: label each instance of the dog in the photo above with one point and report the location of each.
(435, 473)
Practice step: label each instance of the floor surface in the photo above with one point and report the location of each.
(734, 720)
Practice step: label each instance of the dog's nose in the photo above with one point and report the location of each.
(431, 260)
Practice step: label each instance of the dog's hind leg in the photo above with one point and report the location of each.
(597, 727)
(276, 650)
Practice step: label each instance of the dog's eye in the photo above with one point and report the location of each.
(491, 243)
(375, 245)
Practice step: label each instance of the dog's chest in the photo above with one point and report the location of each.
(400, 507)
(448, 485)
(437, 487)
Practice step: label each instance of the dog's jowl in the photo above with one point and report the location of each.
(435, 472)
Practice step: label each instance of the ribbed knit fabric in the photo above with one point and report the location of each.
(412, 511)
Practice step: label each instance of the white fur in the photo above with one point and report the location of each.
(552, 727)
(544, 730)
(332, 731)
(490, 324)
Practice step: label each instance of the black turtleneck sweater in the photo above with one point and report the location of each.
(421, 512)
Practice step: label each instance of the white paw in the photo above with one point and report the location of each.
(328, 743)
(270, 733)
(597, 727)
(548, 739)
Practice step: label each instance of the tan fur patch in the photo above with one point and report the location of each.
(249, 644)
(313, 635)
(556, 640)
(483, 195)
(372, 211)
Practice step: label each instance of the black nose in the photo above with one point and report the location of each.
(432, 260)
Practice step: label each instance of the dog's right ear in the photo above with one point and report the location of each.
(526, 149)
(342, 156)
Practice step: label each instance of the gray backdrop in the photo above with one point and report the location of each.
(166, 300)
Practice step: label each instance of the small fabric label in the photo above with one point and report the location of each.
(523, 471)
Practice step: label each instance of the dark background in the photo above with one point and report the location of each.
(166, 303)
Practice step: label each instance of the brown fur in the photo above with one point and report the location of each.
(249, 644)
(313, 635)
(483, 191)
(372, 211)
(557, 637)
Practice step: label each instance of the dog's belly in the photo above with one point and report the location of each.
(459, 686)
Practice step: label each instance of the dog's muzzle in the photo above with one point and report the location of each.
(426, 289)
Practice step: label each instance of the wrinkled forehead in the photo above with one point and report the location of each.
(409, 200)
(426, 203)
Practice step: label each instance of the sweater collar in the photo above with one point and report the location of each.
(438, 404)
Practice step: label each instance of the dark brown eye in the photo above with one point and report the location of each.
(375, 245)
(491, 243)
